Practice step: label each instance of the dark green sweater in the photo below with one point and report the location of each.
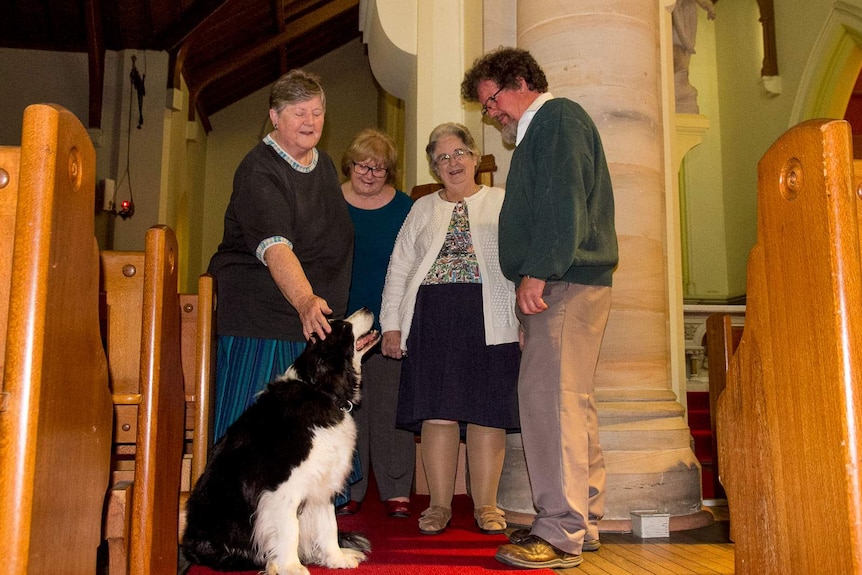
(557, 221)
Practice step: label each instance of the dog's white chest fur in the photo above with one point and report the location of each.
(329, 461)
(291, 518)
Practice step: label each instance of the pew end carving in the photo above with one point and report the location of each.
(790, 416)
(55, 414)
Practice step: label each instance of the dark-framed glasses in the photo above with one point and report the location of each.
(492, 98)
(363, 169)
(457, 155)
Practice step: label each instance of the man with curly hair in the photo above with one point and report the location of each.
(558, 244)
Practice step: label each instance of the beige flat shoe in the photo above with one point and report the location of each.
(490, 519)
(434, 520)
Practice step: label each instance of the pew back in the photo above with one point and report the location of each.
(158, 457)
(198, 351)
(55, 417)
(790, 417)
(143, 340)
(722, 338)
(484, 175)
(10, 158)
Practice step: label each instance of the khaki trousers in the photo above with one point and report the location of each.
(559, 422)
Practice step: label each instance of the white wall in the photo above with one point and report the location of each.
(703, 182)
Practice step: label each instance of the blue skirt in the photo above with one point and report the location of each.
(244, 366)
(449, 372)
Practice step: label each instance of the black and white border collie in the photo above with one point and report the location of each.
(265, 498)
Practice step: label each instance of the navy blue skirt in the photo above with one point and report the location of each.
(449, 372)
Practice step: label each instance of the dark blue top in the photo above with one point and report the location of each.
(376, 231)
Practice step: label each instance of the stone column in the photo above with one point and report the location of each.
(607, 56)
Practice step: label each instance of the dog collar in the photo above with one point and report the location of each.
(348, 408)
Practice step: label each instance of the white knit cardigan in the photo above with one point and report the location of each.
(417, 247)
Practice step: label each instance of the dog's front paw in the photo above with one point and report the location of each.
(344, 559)
(291, 569)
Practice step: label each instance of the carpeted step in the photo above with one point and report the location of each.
(702, 445)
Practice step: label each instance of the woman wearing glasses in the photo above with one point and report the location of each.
(377, 210)
(448, 310)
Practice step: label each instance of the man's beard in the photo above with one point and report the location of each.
(509, 133)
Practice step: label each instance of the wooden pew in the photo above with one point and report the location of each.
(10, 159)
(141, 297)
(722, 338)
(198, 342)
(55, 413)
(790, 418)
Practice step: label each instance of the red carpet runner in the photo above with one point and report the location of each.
(397, 547)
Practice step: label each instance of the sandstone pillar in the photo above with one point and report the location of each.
(607, 56)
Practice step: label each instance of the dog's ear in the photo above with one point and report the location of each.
(325, 360)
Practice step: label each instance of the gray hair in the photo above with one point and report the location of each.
(450, 129)
(294, 87)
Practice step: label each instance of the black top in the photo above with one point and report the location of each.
(271, 199)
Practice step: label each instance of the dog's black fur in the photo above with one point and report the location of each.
(265, 497)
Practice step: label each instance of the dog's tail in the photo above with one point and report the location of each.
(354, 540)
(225, 559)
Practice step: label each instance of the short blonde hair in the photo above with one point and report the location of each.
(376, 145)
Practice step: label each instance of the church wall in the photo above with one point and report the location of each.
(751, 117)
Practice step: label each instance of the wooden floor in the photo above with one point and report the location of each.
(704, 551)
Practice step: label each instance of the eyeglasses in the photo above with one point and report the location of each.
(489, 100)
(457, 155)
(362, 169)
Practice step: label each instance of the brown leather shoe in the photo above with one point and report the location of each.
(519, 534)
(533, 552)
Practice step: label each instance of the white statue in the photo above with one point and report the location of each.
(684, 18)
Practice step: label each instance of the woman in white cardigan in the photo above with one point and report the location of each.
(450, 313)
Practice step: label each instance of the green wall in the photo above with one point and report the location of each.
(745, 119)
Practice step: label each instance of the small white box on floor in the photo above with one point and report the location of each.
(647, 524)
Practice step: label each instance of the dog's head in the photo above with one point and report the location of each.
(334, 364)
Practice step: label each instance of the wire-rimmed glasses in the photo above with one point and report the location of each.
(492, 98)
(457, 155)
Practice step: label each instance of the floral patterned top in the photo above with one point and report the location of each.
(456, 262)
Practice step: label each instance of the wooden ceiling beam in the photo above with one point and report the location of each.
(280, 21)
(192, 19)
(296, 28)
(95, 61)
